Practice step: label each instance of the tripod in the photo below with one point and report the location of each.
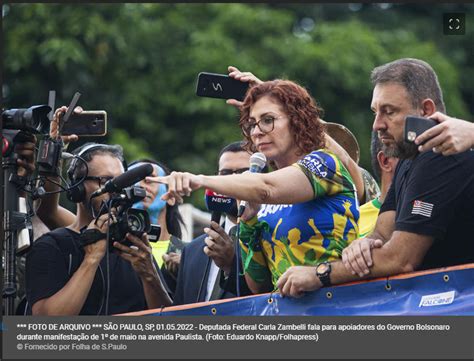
(15, 222)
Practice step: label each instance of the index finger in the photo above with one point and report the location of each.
(157, 179)
(232, 69)
(432, 143)
(69, 138)
(217, 228)
(234, 102)
(137, 241)
(366, 253)
(428, 134)
(53, 131)
(145, 240)
(58, 112)
(125, 249)
(282, 280)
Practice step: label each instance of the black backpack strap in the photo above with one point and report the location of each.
(71, 252)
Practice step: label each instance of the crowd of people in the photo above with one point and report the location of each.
(313, 219)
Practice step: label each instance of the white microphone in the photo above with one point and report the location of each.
(257, 163)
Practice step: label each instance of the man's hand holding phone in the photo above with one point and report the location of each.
(54, 128)
(449, 137)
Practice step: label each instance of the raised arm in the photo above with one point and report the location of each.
(449, 137)
(287, 185)
(49, 210)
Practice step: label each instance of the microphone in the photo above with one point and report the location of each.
(257, 163)
(218, 204)
(125, 180)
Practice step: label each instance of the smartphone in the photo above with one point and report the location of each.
(220, 86)
(414, 126)
(90, 123)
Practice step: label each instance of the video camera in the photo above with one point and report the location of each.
(128, 219)
(34, 119)
(19, 125)
(135, 221)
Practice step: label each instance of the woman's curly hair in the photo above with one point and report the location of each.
(302, 111)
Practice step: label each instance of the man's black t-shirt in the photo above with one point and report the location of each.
(55, 257)
(434, 195)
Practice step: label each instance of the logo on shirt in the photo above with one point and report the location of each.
(422, 208)
(272, 209)
(314, 165)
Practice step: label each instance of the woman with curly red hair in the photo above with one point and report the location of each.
(303, 213)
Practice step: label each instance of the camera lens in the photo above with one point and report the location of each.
(135, 223)
(34, 118)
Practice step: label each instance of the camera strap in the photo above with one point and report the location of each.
(90, 236)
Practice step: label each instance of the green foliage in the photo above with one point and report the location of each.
(140, 63)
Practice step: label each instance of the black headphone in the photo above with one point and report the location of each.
(77, 194)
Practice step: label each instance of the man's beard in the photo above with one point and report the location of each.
(402, 150)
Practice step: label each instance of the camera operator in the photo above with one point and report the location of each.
(64, 278)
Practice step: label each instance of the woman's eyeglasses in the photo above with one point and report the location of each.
(226, 171)
(266, 125)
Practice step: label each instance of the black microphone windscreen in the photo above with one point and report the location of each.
(133, 176)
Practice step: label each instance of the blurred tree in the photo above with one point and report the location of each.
(140, 63)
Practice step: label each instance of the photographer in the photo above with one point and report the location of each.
(63, 278)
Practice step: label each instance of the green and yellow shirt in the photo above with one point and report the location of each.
(285, 235)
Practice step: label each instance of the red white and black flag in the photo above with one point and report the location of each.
(422, 208)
